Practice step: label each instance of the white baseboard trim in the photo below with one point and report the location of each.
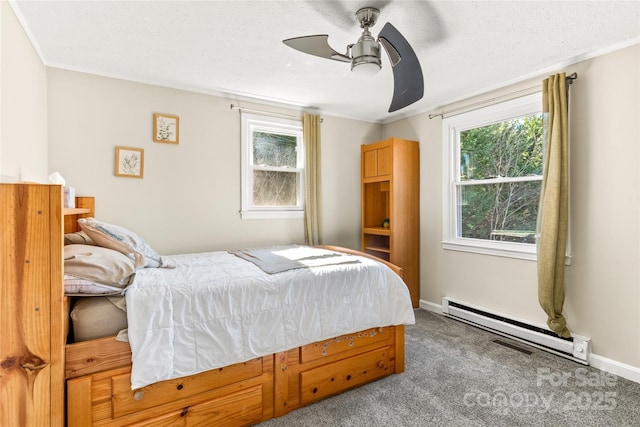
(430, 306)
(631, 373)
(623, 370)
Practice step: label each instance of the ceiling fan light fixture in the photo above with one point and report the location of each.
(365, 68)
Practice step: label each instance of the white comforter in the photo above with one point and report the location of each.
(215, 309)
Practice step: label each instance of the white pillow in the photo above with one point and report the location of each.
(75, 286)
(97, 264)
(122, 240)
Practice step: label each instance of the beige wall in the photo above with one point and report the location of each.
(189, 198)
(341, 140)
(603, 281)
(23, 114)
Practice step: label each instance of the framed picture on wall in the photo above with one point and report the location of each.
(129, 162)
(166, 128)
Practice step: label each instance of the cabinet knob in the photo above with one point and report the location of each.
(138, 395)
(380, 364)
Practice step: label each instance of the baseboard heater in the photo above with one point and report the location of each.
(576, 348)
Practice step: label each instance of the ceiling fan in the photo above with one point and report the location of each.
(364, 56)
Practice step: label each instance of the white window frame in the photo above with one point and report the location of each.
(251, 123)
(451, 129)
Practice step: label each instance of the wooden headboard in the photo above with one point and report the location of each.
(85, 208)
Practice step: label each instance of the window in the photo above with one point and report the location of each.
(492, 178)
(272, 168)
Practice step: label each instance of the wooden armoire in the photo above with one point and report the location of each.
(390, 179)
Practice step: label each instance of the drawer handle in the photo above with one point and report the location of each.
(380, 364)
(138, 395)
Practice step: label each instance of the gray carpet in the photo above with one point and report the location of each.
(456, 375)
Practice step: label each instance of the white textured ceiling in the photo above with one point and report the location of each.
(235, 48)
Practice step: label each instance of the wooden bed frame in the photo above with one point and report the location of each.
(98, 386)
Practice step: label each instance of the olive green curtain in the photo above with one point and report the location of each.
(553, 213)
(311, 136)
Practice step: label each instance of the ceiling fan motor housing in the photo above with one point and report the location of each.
(365, 54)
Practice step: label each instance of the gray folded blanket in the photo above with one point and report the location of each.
(276, 259)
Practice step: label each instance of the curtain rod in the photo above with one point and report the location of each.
(269, 113)
(570, 78)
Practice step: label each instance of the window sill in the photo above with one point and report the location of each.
(506, 250)
(272, 214)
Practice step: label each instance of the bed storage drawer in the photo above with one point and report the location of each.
(126, 401)
(239, 394)
(332, 378)
(309, 373)
(236, 409)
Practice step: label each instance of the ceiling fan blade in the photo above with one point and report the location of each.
(317, 45)
(408, 82)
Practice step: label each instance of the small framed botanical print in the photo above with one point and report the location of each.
(129, 162)
(166, 128)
